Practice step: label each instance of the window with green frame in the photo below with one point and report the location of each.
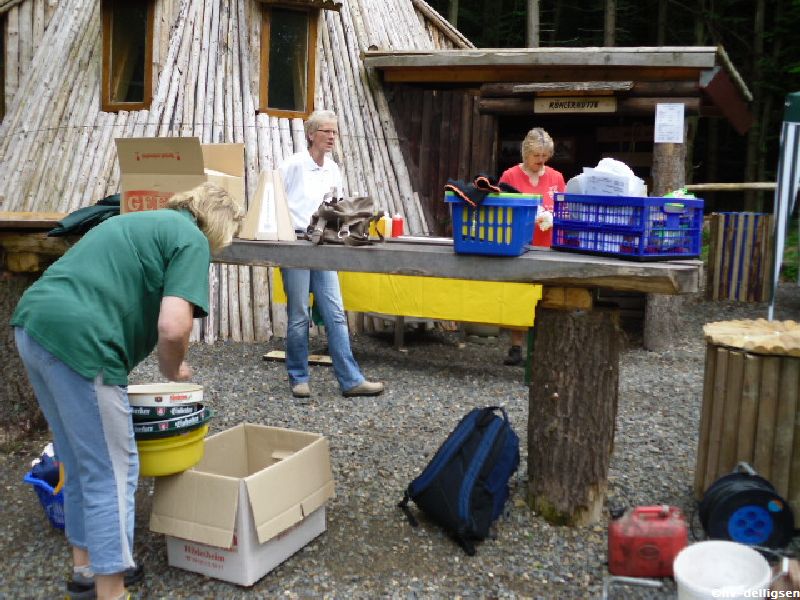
(288, 60)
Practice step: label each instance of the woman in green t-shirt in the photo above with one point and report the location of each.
(131, 284)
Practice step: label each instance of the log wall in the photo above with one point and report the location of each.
(23, 27)
(57, 149)
(443, 136)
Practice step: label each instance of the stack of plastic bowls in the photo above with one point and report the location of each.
(170, 423)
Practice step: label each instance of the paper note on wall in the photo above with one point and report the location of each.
(669, 123)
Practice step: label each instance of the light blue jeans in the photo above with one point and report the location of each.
(93, 437)
(328, 297)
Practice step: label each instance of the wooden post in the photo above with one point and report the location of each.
(663, 312)
(572, 412)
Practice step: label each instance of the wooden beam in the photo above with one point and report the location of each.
(696, 57)
(635, 88)
(638, 106)
(720, 89)
(334, 5)
(23, 262)
(624, 134)
(566, 298)
(37, 243)
(509, 73)
(560, 88)
(13, 221)
(765, 186)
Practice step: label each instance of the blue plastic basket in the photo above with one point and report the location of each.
(53, 504)
(628, 227)
(502, 225)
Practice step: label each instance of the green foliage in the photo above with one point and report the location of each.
(791, 257)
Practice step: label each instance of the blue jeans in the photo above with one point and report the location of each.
(93, 437)
(328, 297)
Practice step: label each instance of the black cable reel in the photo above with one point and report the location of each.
(744, 507)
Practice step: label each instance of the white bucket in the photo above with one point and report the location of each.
(720, 569)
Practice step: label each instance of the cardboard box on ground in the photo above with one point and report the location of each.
(153, 169)
(257, 497)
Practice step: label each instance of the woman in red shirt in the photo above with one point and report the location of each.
(532, 175)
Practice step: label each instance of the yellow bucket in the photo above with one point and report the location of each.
(171, 454)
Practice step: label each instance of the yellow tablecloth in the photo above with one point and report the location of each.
(510, 304)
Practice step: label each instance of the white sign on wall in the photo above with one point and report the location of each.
(669, 123)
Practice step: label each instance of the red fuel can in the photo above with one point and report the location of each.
(645, 541)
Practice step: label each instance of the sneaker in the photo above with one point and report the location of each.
(365, 388)
(301, 390)
(81, 587)
(514, 358)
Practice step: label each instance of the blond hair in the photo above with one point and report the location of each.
(537, 139)
(317, 119)
(218, 214)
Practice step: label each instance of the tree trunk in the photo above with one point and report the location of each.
(452, 13)
(663, 312)
(752, 199)
(572, 413)
(557, 13)
(610, 26)
(700, 24)
(669, 167)
(532, 30)
(661, 23)
(19, 411)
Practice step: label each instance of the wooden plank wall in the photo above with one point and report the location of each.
(740, 257)
(57, 149)
(443, 136)
(23, 28)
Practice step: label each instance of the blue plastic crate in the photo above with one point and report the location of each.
(502, 225)
(628, 227)
(53, 504)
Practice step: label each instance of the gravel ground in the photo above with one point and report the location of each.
(379, 444)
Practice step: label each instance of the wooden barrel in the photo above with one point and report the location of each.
(751, 404)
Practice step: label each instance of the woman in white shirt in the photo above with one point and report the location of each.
(309, 175)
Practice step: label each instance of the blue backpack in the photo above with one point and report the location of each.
(465, 485)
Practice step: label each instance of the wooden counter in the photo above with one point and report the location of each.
(544, 266)
(24, 245)
(575, 360)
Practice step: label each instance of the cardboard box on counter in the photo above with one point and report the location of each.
(153, 169)
(257, 497)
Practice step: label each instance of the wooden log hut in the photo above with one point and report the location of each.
(464, 111)
(79, 73)
(461, 112)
